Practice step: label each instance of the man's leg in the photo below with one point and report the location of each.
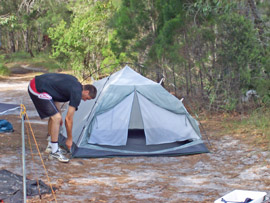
(49, 127)
(52, 144)
(54, 122)
(49, 147)
(54, 131)
(57, 104)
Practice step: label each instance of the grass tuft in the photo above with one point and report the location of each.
(40, 60)
(4, 71)
(253, 128)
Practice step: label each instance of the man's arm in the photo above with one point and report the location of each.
(69, 124)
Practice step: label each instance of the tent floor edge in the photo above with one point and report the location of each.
(99, 153)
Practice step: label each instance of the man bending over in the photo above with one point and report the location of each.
(46, 92)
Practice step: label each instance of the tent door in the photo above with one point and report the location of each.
(111, 127)
(135, 121)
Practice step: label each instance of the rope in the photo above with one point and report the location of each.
(32, 155)
(24, 114)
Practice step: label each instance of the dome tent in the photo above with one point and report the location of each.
(133, 116)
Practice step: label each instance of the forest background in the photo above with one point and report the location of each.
(209, 51)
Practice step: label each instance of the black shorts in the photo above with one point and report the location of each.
(43, 102)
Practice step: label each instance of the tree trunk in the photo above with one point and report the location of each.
(158, 74)
(257, 20)
(39, 39)
(186, 76)
(174, 81)
(26, 41)
(26, 44)
(190, 76)
(0, 39)
(201, 80)
(12, 42)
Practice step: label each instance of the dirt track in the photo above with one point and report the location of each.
(232, 164)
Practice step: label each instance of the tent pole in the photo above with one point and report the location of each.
(23, 160)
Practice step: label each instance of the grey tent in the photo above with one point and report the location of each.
(8, 108)
(133, 116)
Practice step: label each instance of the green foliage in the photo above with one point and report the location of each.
(55, 12)
(81, 44)
(263, 89)
(8, 20)
(261, 119)
(165, 39)
(238, 58)
(212, 49)
(258, 120)
(230, 105)
(20, 56)
(262, 81)
(210, 8)
(3, 69)
(131, 25)
(57, 34)
(253, 127)
(145, 31)
(24, 23)
(41, 60)
(170, 9)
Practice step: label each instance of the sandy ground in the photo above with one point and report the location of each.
(232, 164)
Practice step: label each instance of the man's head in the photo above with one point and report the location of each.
(89, 92)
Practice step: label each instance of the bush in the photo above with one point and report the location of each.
(4, 70)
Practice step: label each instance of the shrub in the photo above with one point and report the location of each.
(4, 70)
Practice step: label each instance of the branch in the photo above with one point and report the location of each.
(26, 4)
(5, 16)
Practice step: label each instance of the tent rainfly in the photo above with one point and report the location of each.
(133, 116)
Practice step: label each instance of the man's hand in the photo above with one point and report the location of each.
(69, 143)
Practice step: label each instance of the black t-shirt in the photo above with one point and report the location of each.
(61, 87)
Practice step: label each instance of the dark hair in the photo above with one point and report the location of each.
(92, 90)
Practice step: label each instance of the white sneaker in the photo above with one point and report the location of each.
(49, 150)
(58, 155)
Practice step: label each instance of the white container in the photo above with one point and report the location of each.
(241, 195)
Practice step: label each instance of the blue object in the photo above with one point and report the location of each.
(5, 126)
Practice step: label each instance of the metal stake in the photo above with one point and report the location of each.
(23, 160)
